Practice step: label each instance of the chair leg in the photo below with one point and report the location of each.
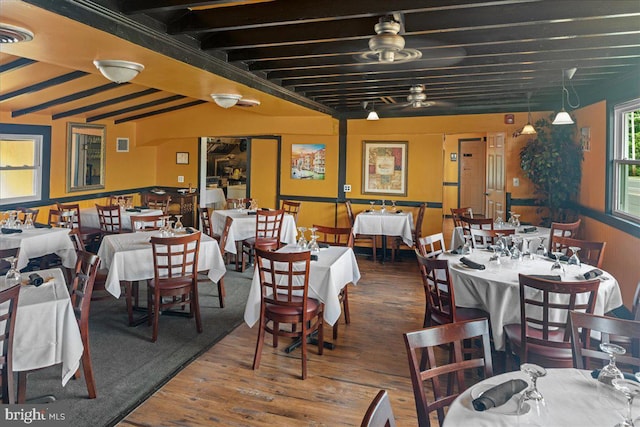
(156, 315)
(221, 292)
(128, 297)
(195, 306)
(345, 304)
(259, 343)
(22, 387)
(303, 337)
(374, 244)
(87, 367)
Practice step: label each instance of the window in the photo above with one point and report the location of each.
(23, 173)
(626, 202)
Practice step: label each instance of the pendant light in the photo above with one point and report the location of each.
(563, 118)
(372, 114)
(528, 129)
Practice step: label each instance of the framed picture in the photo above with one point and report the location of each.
(122, 145)
(307, 161)
(182, 158)
(384, 167)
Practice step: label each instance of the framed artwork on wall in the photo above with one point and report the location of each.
(182, 158)
(122, 145)
(384, 167)
(307, 161)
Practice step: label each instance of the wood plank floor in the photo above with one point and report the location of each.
(220, 388)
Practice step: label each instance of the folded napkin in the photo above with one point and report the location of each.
(323, 245)
(35, 279)
(627, 375)
(399, 211)
(314, 257)
(134, 210)
(10, 230)
(592, 274)
(252, 213)
(498, 395)
(457, 251)
(471, 264)
(554, 277)
(621, 312)
(40, 225)
(529, 229)
(562, 257)
(141, 207)
(189, 230)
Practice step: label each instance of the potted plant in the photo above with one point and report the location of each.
(553, 163)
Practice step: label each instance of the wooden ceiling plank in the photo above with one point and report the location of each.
(16, 64)
(161, 111)
(137, 107)
(106, 103)
(43, 85)
(131, 7)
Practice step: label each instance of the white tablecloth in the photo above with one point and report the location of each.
(213, 198)
(497, 290)
(38, 242)
(385, 224)
(129, 257)
(335, 268)
(244, 226)
(89, 217)
(457, 239)
(571, 397)
(47, 331)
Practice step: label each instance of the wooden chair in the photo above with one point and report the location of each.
(337, 236)
(99, 284)
(416, 232)
(7, 253)
(545, 338)
(456, 215)
(591, 253)
(482, 239)
(360, 237)
(120, 200)
(379, 413)
(22, 214)
(284, 290)
(110, 219)
(267, 237)
(9, 301)
(146, 222)
(221, 244)
(158, 201)
(440, 302)
(233, 203)
(431, 246)
(585, 348)
(478, 223)
(423, 342)
(57, 219)
(71, 215)
(205, 221)
(175, 264)
(292, 208)
(560, 229)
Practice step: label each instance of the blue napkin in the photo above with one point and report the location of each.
(35, 279)
(592, 274)
(498, 395)
(10, 230)
(472, 264)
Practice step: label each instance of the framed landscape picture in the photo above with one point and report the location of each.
(307, 161)
(384, 169)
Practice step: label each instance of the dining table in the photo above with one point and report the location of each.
(335, 267)
(385, 223)
(571, 396)
(244, 227)
(496, 288)
(46, 330)
(38, 242)
(213, 198)
(529, 233)
(89, 216)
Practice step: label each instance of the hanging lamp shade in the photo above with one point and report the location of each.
(373, 115)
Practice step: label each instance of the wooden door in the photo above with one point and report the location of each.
(472, 174)
(495, 175)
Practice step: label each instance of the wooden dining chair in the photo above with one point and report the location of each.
(421, 345)
(560, 229)
(431, 246)
(99, 291)
(7, 253)
(70, 214)
(23, 212)
(175, 265)
(478, 223)
(370, 238)
(456, 215)
(109, 219)
(379, 413)
(337, 236)
(9, 301)
(284, 298)
(416, 233)
(158, 201)
(543, 335)
(591, 253)
(205, 221)
(585, 347)
(233, 203)
(267, 237)
(292, 208)
(123, 200)
(482, 239)
(146, 222)
(221, 244)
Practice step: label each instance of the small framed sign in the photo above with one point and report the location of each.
(182, 158)
(122, 145)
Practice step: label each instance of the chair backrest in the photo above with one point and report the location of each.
(70, 214)
(292, 208)
(120, 200)
(83, 279)
(431, 246)
(225, 234)
(456, 214)
(158, 201)
(233, 203)
(334, 236)
(610, 328)
(8, 307)
(350, 216)
(379, 413)
(545, 307)
(5, 265)
(284, 277)
(421, 343)
(561, 229)
(269, 223)
(591, 253)
(205, 220)
(146, 222)
(417, 228)
(479, 223)
(109, 218)
(175, 259)
(76, 239)
(438, 289)
(57, 219)
(481, 238)
(24, 211)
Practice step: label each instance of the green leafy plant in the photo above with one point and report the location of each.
(553, 162)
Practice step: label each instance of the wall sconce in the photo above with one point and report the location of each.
(226, 100)
(563, 118)
(118, 71)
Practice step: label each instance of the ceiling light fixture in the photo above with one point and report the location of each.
(13, 34)
(372, 114)
(563, 118)
(226, 100)
(118, 71)
(388, 45)
(528, 129)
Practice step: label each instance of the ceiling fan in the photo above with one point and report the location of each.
(416, 99)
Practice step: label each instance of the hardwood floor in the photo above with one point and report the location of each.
(220, 388)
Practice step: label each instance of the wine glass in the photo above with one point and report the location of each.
(609, 373)
(467, 247)
(630, 389)
(313, 244)
(541, 249)
(383, 208)
(302, 241)
(532, 408)
(372, 203)
(393, 205)
(12, 277)
(178, 225)
(499, 222)
(557, 267)
(527, 253)
(516, 220)
(28, 221)
(574, 262)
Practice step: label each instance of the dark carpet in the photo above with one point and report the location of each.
(128, 367)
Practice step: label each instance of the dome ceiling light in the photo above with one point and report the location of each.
(118, 71)
(13, 34)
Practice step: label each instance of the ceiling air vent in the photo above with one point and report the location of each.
(13, 34)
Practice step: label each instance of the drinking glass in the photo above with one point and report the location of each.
(557, 267)
(383, 208)
(541, 249)
(302, 241)
(516, 220)
(28, 221)
(467, 247)
(178, 225)
(499, 222)
(12, 277)
(393, 205)
(574, 262)
(527, 253)
(517, 249)
(372, 203)
(629, 389)
(313, 244)
(532, 408)
(610, 372)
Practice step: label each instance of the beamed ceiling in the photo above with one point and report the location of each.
(474, 56)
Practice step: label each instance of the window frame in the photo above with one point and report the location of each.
(42, 134)
(620, 157)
